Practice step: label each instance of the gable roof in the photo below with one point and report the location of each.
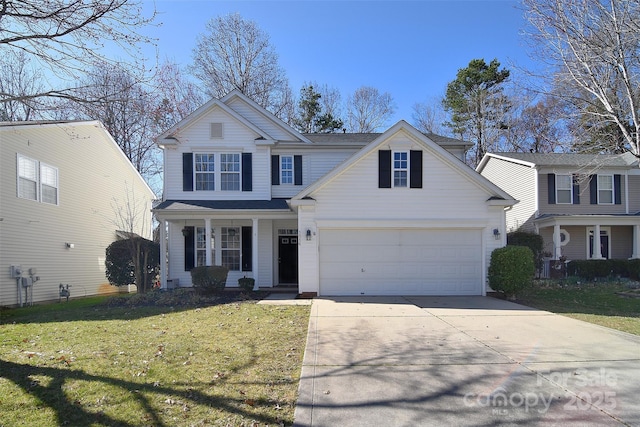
(237, 94)
(171, 136)
(625, 160)
(402, 126)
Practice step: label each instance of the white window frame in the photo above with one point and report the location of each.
(609, 190)
(559, 189)
(225, 174)
(32, 180)
(204, 172)
(45, 176)
(400, 169)
(286, 173)
(231, 245)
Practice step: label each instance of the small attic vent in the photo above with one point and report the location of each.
(216, 130)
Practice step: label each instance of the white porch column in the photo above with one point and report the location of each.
(163, 254)
(207, 228)
(254, 252)
(557, 249)
(636, 242)
(597, 251)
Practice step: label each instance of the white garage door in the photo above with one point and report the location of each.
(400, 262)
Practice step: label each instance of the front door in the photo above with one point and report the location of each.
(604, 244)
(287, 259)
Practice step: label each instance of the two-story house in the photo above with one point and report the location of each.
(570, 198)
(63, 189)
(334, 214)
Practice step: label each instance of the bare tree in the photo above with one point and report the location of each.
(64, 38)
(17, 77)
(368, 110)
(428, 117)
(236, 54)
(595, 47)
(126, 110)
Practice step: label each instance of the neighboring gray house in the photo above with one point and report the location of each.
(332, 214)
(570, 198)
(61, 184)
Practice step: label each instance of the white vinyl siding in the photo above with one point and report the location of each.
(564, 189)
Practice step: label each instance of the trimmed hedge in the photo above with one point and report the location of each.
(511, 269)
(209, 280)
(590, 269)
(246, 283)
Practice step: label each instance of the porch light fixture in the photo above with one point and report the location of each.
(308, 234)
(496, 234)
(185, 232)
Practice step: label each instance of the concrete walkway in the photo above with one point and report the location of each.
(477, 361)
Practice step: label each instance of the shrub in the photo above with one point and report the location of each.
(590, 269)
(511, 269)
(133, 261)
(246, 283)
(209, 280)
(531, 240)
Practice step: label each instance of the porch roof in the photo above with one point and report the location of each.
(548, 220)
(223, 205)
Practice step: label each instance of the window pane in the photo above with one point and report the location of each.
(564, 196)
(205, 172)
(27, 189)
(205, 181)
(400, 166)
(27, 168)
(605, 189)
(400, 179)
(230, 244)
(286, 170)
(27, 178)
(230, 176)
(564, 185)
(49, 195)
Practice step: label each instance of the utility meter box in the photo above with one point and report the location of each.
(16, 271)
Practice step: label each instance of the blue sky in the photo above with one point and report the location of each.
(410, 49)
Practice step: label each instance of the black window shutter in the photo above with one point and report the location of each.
(247, 172)
(617, 190)
(551, 184)
(187, 171)
(189, 248)
(384, 169)
(415, 174)
(576, 190)
(275, 170)
(297, 170)
(593, 189)
(247, 250)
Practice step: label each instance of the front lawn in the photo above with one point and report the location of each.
(610, 304)
(233, 363)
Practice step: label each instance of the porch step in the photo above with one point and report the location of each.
(281, 289)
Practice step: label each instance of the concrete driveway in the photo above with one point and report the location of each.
(478, 361)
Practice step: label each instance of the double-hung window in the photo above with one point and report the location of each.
(564, 189)
(286, 169)
(37, 181)
(205, 172)
(230, 247)
(605, 189)
(230, 172)
(400, 168)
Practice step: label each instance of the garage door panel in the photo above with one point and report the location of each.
(392, 262)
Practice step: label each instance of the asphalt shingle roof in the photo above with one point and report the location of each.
(574, 159)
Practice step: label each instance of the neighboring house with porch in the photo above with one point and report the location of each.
(570, 198)
(332, 214)
(61, 183)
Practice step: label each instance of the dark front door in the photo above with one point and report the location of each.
(288, 259)
(604, 245)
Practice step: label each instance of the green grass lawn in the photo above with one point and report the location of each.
(594, 302)
(84, 363)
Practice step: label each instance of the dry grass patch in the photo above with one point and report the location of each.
(234, 364)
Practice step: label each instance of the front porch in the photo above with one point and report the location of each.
(574, 236)
(261, 243)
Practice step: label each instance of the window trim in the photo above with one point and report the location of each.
(197, 172)
(226, 173)
(611, 190)
(224, 234)
(395, 169)
(290, 170)
(570, 189)
(56, 186)
(37, 182)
